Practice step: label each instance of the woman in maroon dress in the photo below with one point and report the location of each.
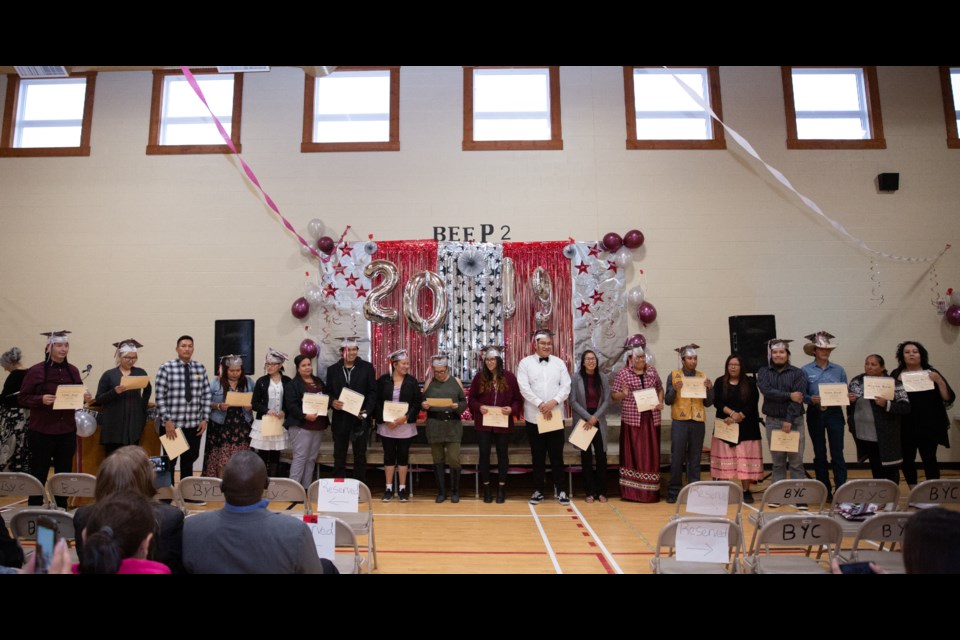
(639, 430)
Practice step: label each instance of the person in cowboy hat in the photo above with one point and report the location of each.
(824, 424)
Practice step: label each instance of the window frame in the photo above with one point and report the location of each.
(156, 111)
(871, 97)
(949, 112)
(555, 143)
(307, 145)
(718, 141)
(7, 150)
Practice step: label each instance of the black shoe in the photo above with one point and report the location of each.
(501, 494)
(441, 497)
(199, 503)
(487, 493)
(747, 497)
(403, 495)
(802, 506)
(387, 495)
(536, 498)
(671, 499)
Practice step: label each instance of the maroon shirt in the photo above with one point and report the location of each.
(510, 397)
(44, 379)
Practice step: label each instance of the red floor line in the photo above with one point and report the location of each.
(494, 553)
(606, 565)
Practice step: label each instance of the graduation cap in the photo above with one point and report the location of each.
(275, 357)
(439, 360)
(492, 351)
(398, 355)
(542, 333)
(54, 337)
(126, 346)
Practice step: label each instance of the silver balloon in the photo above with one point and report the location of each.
(372, 310)
(86, 423)
(315, 228)
(411, 291)
(651, 359)
(570, 251)
(543, 291)
(623, 257)
(306, 251)
(635, 296)
(314, 294)
(370, 248)
(509, 298)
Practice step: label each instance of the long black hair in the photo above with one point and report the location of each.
(725, 379)
(296, 365)
(490, 380)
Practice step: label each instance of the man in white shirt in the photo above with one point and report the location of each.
(544, 383)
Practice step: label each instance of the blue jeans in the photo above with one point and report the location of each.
(827, 426)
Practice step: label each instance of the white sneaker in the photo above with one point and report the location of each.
(923, 505)
(563, 499)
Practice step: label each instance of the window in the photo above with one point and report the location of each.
(48, 117)
(832, 108)
(950, 83)
(352, 109)
(511, 108)
(662, 115)
(179, 121)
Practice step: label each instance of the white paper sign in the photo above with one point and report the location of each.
(324, 532)
(916, 381)
(703, 542)
(338, 494)
(708, 500)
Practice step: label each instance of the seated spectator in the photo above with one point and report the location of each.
(930, 541)
(117, 537)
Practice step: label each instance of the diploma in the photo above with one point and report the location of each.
(554, 423)
(393, 410)
(693, 387)
(134, 382)
(238, 399)
(69, 396)
(580, 437)
(878, 387)
(271, 426)
(646, 399)
(352, 401)
(439, 403)
(912, 381)
(495, 417)
(174, 447)
(834, 394)
(728, 432)
(315, 403)
(789, 442)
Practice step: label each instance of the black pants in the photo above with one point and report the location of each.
(47, 449)
(188, 457)
(396, 451)
(594, 481)
(540, 446)
(486, 439)
(342, 437)
(879, 471)
(912, 442)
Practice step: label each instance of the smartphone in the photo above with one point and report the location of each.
(162, 476)
(47, 536)
(856, 567)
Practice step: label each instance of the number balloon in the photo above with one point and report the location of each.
(543, 291)
(372, 310)
(411, 292)
(507, 274)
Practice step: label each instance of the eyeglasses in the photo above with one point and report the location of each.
(128, 357)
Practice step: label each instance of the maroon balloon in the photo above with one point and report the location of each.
(646, 313)
(309, 348)
(326, 245)
(953, 315)
(636, 340)
(633, 239)
(300, 308)
(612, 241)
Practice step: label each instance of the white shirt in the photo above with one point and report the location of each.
(541, 382)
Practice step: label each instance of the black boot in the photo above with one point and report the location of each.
(501, 494)
(454, 485)
(487, 494)
(438, 473)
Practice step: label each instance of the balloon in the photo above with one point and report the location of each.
(612, 241)
(507, 273)
(309, 348)
(372, 310)
(370, 248)
(300, 308)
(326, 245)
(646, 313)
(636, 340)
(635, 296)
(650, 357)
(633, 239)
(570, 251)
(955, 297)
(314, 294)
(306, 251)
(543, 291)
(953, 315)
(622, 257)
(315, 228)
(411, 292)
(86, 423)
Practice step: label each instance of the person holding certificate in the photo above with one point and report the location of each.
(688, 428)
(874, 418)
(305, 430)
(124, 409)
(51, 433)
(396, 426)
(268, 401)
(494, 390)
(927, 424)
(639, 428)
(229, 430)
(351, 429)
(736, 399)
(783, 386)
(444, 400)
(824, 420)
(589, 398)
(14, 452)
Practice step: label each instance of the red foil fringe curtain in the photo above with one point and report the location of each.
(410, 256)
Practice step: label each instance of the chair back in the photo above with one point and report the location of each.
(883, 529)
(364, 498)
(361, 522)
(71, 485)
(808, 491)
(939, 492)
(734, 496)
(668, 537)
(22, 485)
(345, 537)
(23, 524)
(200, 488)
(796, 531)
(867, 491)
(285, 490)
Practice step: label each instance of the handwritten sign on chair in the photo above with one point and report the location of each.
(324, 532)
(338, 494)
(708, 500)
(703, 542)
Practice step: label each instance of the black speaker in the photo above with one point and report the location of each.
(748, 339)
(234, 337)
(888, 181)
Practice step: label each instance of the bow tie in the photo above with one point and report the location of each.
(547, 359)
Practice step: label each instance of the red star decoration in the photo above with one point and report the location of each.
(582, 268)
(346, 249)
(583, 308)
(330, 290)
(597, 296)
(613, 265)
(352, 281)
(339, 269)
(596, 250)
(361, 291)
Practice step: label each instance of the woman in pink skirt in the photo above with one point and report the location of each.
(735, 399)
(639, 429)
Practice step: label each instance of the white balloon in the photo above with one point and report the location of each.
(623, 257)
(86, 423)
(651, 359)
(635, 296)
(315, 228)
(314, 294)
(955, 297)
(305, 251)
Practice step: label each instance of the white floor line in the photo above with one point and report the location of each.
(546, 543)
(465, 515)
(603, 549)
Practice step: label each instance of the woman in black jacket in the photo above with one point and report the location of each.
(398, 431)
(268, 400)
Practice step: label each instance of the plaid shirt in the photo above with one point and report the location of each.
(627, 380)
(171, 403)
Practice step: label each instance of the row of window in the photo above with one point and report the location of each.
(358, 109)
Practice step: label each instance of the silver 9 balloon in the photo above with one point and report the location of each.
(508, 284)
(372, 310)
(411, 292)
(315, 228)
(543, 291)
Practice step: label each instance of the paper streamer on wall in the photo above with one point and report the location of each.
(782, 179)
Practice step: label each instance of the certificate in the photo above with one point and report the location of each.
(271, 426)
(646, 399)
(554, 423)
(834, 394)
(393, 410)
(352, 401)
(69, 396)
(495, 417)
(237, 399)
(915, 381)
(789, 442)
(693, 387)
(134, 382)
(439, 403)
(580, 437)
(315, 403)
(878, 387)
(727, 432)
(174, 447)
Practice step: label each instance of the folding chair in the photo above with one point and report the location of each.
(23, 524)
(285, 490)
(71, 485)
(811, 492)
(345, 537)
(795, 531)
(934, 493)
(734, 497)
(361, 522)
(668, 563)
(879, 492)
(882, 529)
(200, 488)
(21, 485)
